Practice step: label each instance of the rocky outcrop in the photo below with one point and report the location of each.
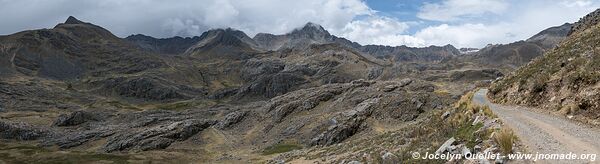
(75, 118)
(230, 119)
(147, 88)
(19, 131)
(157, 137)
(586, 22)
(345, 124)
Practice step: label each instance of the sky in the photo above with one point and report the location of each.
(415, 23)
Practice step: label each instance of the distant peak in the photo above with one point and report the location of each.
(73, 20)
(311, 25)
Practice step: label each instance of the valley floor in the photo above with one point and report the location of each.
(545, 133)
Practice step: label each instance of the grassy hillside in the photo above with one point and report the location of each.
(564, 80)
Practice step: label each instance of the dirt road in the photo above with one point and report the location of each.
(547, 134)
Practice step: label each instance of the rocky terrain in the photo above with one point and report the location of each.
(564, 80)
(77, 93)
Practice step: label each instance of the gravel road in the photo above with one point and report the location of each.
(547, 134)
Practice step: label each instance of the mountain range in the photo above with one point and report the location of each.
(79, 90)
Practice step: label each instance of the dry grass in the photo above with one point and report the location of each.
(505, 138)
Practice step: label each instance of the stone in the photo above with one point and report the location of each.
(390, 158)
(349, 123)
(390, 88)
(446, 115)
(405, 82)
(477, 148)
(157, 137)
(465, 150)
(230, 119)
(19, 131)
(499, 160)
(475, 121)
(75, 118)
(445, 146)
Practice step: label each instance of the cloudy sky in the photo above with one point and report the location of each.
(463, 23)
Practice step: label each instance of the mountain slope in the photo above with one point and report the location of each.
(223, 43)
(513, 55)
(170, 46)
(565, 79)
(71, 50)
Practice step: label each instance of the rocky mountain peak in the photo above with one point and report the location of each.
(311, 30)
(73, 20)
(236, 41)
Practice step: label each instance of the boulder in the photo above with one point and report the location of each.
(389, 158)
(230, 119)
(75, 118)
(349, 123)
(445, 146)
(404, 82)
(157, 137)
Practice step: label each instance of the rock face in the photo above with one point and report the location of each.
(347, 124)
(147, 88)
(565, 79)
(19, 131)
(157, 137)
(230, 119)
(75, 118)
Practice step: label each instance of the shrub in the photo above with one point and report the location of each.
(505, 138)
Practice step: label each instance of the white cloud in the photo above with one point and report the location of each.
(379, 30)
(453, 10)
(519, 22)
(466, 35)
(577, 3)
(185, 17)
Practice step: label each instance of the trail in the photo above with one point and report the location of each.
(545, 133)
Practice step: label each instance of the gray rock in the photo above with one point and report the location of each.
(390, 88)
(19, 131)
(477, 119)
(157, 137)
(477, 148)
(349, 123)
(230, 119)
(75, 118)
(354, 162)
(445, 146)
(500, 160)
(405, 82)
(465, 150)
(446, 115)
(389, 158)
